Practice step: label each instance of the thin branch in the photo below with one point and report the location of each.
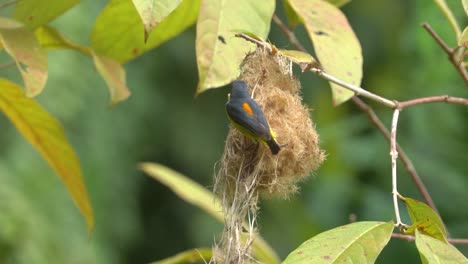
(461, 241)
(8, 3)
(289, 34)
(375, 120)
(394, 156)
(7, 65)
(451, 53)
(434, 99)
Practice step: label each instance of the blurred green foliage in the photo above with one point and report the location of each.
(138, 220)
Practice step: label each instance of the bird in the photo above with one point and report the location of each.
(247, 116)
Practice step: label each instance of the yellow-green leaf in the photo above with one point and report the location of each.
(47, 136)
(50, 38)
(463, 41)
(119, 33)
(465, 6)
(359, 242)
(114, 75)
(152, 12)
(24, 48)
(219, 52)
(305, 60)
(199, 196)
(335, 44)
(339, 3)
(434, 251)
(34, 13)
(424, 219)
(202, 255)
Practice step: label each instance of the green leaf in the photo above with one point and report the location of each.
(47, 136)
(465, 6)
(34, 13)
(199, 196)
(463, 41)
(219, 52)
(114, 75)
(152, 12)
(359, 242)
(24, 48)
(338, 3)
(202, 255)
(335, 43)
(119, 33)
(305, 60)
(291, 16)
(50, 38)
(435, 251)
(424, 219)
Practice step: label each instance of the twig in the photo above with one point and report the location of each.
(289, 34)
(451, 53)
(356, 89)
(375, 120)
(394, 156)
(434, 99)
(8, 3)
(7, 65)
(461, 241)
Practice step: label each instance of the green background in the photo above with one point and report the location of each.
(138, 220)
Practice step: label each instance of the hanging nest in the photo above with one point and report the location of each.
(248, 169)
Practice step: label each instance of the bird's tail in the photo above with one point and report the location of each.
(273, 145)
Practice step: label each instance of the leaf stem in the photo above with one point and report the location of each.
(449, 16)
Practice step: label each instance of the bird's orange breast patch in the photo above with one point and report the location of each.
(247, 108)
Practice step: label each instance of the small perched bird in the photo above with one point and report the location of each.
(245, 114)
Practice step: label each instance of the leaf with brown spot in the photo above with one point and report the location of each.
(34, 13)
(336, 46)
(434, 251)
(30, 58)
(47, 136)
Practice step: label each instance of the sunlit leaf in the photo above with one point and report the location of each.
(338, 3)
(465, 6)
(463, 41)
(434, 251)
(50, 38)
(114, 74)
(305, 60)
(219, 52)
(34, 13)
(24, 48)
(47, 136)
(199, 196)
(425, 219)
(152, 12)
(335, 44)
(291, 16)
(119, 33)
(198, 255)
(359, 242)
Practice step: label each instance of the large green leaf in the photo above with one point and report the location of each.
(47, 136)
(424, 219)
(199, 196)
(49, 38)
(119, 33)
(434, 251)
(24, 48)
(359, 242)
(152, 12)
(198, 255)
(219, 52)
(34, 13)
(335, 44)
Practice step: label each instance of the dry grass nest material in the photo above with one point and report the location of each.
(277, 92)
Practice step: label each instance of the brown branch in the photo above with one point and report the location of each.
(375, 120)
(451, 53)
(289, 34)
(433, 99)
(461, 241)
